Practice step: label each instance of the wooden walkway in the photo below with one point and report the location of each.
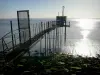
(20, 49)
(23, 48)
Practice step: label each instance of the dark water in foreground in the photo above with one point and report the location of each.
(83, 37)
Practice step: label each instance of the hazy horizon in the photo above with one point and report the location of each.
(51, 18)
(50, 8)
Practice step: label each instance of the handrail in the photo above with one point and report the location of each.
(44, 26)
(7, 34)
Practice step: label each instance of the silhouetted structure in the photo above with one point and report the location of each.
(24, 26)
(61, 20)
(21, 38)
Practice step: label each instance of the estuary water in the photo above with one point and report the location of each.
(82, 37)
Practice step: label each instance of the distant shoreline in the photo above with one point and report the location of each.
(48, 18)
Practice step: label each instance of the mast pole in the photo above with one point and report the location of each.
(63, 10)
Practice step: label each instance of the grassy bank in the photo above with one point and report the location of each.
(56, 64)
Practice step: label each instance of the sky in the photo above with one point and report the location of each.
(50, 8)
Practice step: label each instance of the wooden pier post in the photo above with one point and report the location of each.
(58, 40)
(36, 28)
(15, 39)
(41, 27)
(12, 34)
(40, 46)
(33, 30)
(65, 31)
(53, 41)
(3, 49)
(45, 45)
(49, 43)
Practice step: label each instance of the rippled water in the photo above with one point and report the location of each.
(83, 37)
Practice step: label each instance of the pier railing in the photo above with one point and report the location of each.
(6, 42)
(11, 40)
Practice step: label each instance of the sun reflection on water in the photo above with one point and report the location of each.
(86, 23)
(82, 47)
(85, 33)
